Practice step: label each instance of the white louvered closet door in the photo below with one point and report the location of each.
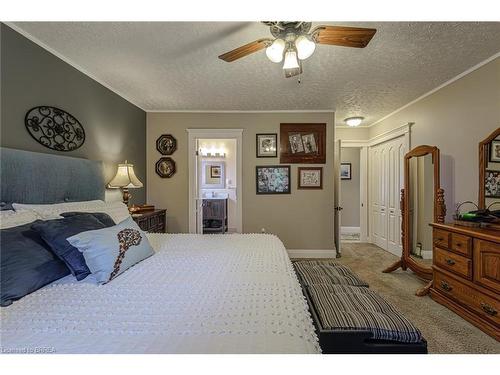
(386, 181)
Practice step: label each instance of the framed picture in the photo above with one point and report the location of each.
(495, 151)
(345, 171)
(166, 144)
(273, 179)
(303, 143)
(215, 171)
(165, 167)
(267, 145)
(492, 184)
(310, 178)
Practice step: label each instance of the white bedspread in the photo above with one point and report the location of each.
(197, 294)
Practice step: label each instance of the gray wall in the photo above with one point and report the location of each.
(302, 220)
(349, 189)
(31, 76)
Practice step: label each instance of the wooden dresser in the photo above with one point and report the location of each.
(154, 221)
(467, 274)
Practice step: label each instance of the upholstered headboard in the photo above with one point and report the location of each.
(32, 177)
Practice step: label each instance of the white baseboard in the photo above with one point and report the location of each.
(305, 253)
(350, 230)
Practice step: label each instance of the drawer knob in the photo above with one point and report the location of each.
(450, 262)
(458, 244)
(488, 309)
(446, 286)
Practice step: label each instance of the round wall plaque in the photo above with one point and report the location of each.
(54, 128)
(166, 144)
(165, 167)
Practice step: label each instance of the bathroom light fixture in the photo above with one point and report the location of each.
(354, 121)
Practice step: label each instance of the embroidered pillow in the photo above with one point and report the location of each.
(110, 251)
(55, 232)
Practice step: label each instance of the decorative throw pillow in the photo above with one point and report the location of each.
(111, 251)
(55, 232)
(27, 263)
(101, 216)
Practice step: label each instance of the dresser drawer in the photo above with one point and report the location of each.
(441, 238)
(461, 244)
(453, 262)
(487, 264)
(485, 306)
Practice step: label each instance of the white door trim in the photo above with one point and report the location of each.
(363, 187)
(193, 135)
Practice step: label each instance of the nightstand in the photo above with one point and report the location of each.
(154, 221)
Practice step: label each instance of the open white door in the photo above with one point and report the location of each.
(198, 193)
(336, 196)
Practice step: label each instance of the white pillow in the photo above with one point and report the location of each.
(9, 219)
(116, 210)
(52, 211)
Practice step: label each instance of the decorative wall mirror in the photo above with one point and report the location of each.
(422, 202)
(489, 171)
(213, 175)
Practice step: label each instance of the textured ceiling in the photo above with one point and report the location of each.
(174, 66)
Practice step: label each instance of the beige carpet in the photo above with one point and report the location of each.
(444, 331)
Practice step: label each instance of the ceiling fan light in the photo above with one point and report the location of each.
(354, 121)
(291, 61)
(305, 46)
(275, 51)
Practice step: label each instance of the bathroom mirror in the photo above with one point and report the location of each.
(422, 203)
(213, 175)
(489, 171)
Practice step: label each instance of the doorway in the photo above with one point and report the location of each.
(215, 180)
(350, 199)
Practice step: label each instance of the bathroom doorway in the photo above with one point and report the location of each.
(215, 204)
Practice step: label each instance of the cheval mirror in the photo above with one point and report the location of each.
(422, 202)
(489, 171)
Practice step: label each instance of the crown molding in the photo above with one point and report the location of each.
(68, 61)
(244, 111)
(449, 82)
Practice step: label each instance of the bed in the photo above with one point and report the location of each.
(196, 294)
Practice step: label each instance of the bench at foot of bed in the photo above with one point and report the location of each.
(351, 318)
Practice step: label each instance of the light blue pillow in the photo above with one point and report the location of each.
(110, 251)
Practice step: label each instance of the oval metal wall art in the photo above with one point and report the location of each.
(54, 128)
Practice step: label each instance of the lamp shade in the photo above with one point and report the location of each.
(125, 177)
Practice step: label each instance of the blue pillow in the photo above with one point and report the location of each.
(55, 232)
(27, 263)
(110, 251)
(101, 216)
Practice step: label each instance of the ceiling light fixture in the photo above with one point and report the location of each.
(275, 51)
(305, 46)
(297, 41)
(354, 121)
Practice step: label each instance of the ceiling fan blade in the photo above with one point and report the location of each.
(343, 36)
(246, 50)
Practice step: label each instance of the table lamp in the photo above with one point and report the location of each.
(125, 179)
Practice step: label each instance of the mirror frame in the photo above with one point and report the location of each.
(438, 215)
(483, 162)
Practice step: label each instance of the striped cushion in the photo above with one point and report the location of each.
(345, 307)
(314, 272)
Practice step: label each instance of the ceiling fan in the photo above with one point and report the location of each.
(294, 42)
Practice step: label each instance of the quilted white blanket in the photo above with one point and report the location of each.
(197, 294)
